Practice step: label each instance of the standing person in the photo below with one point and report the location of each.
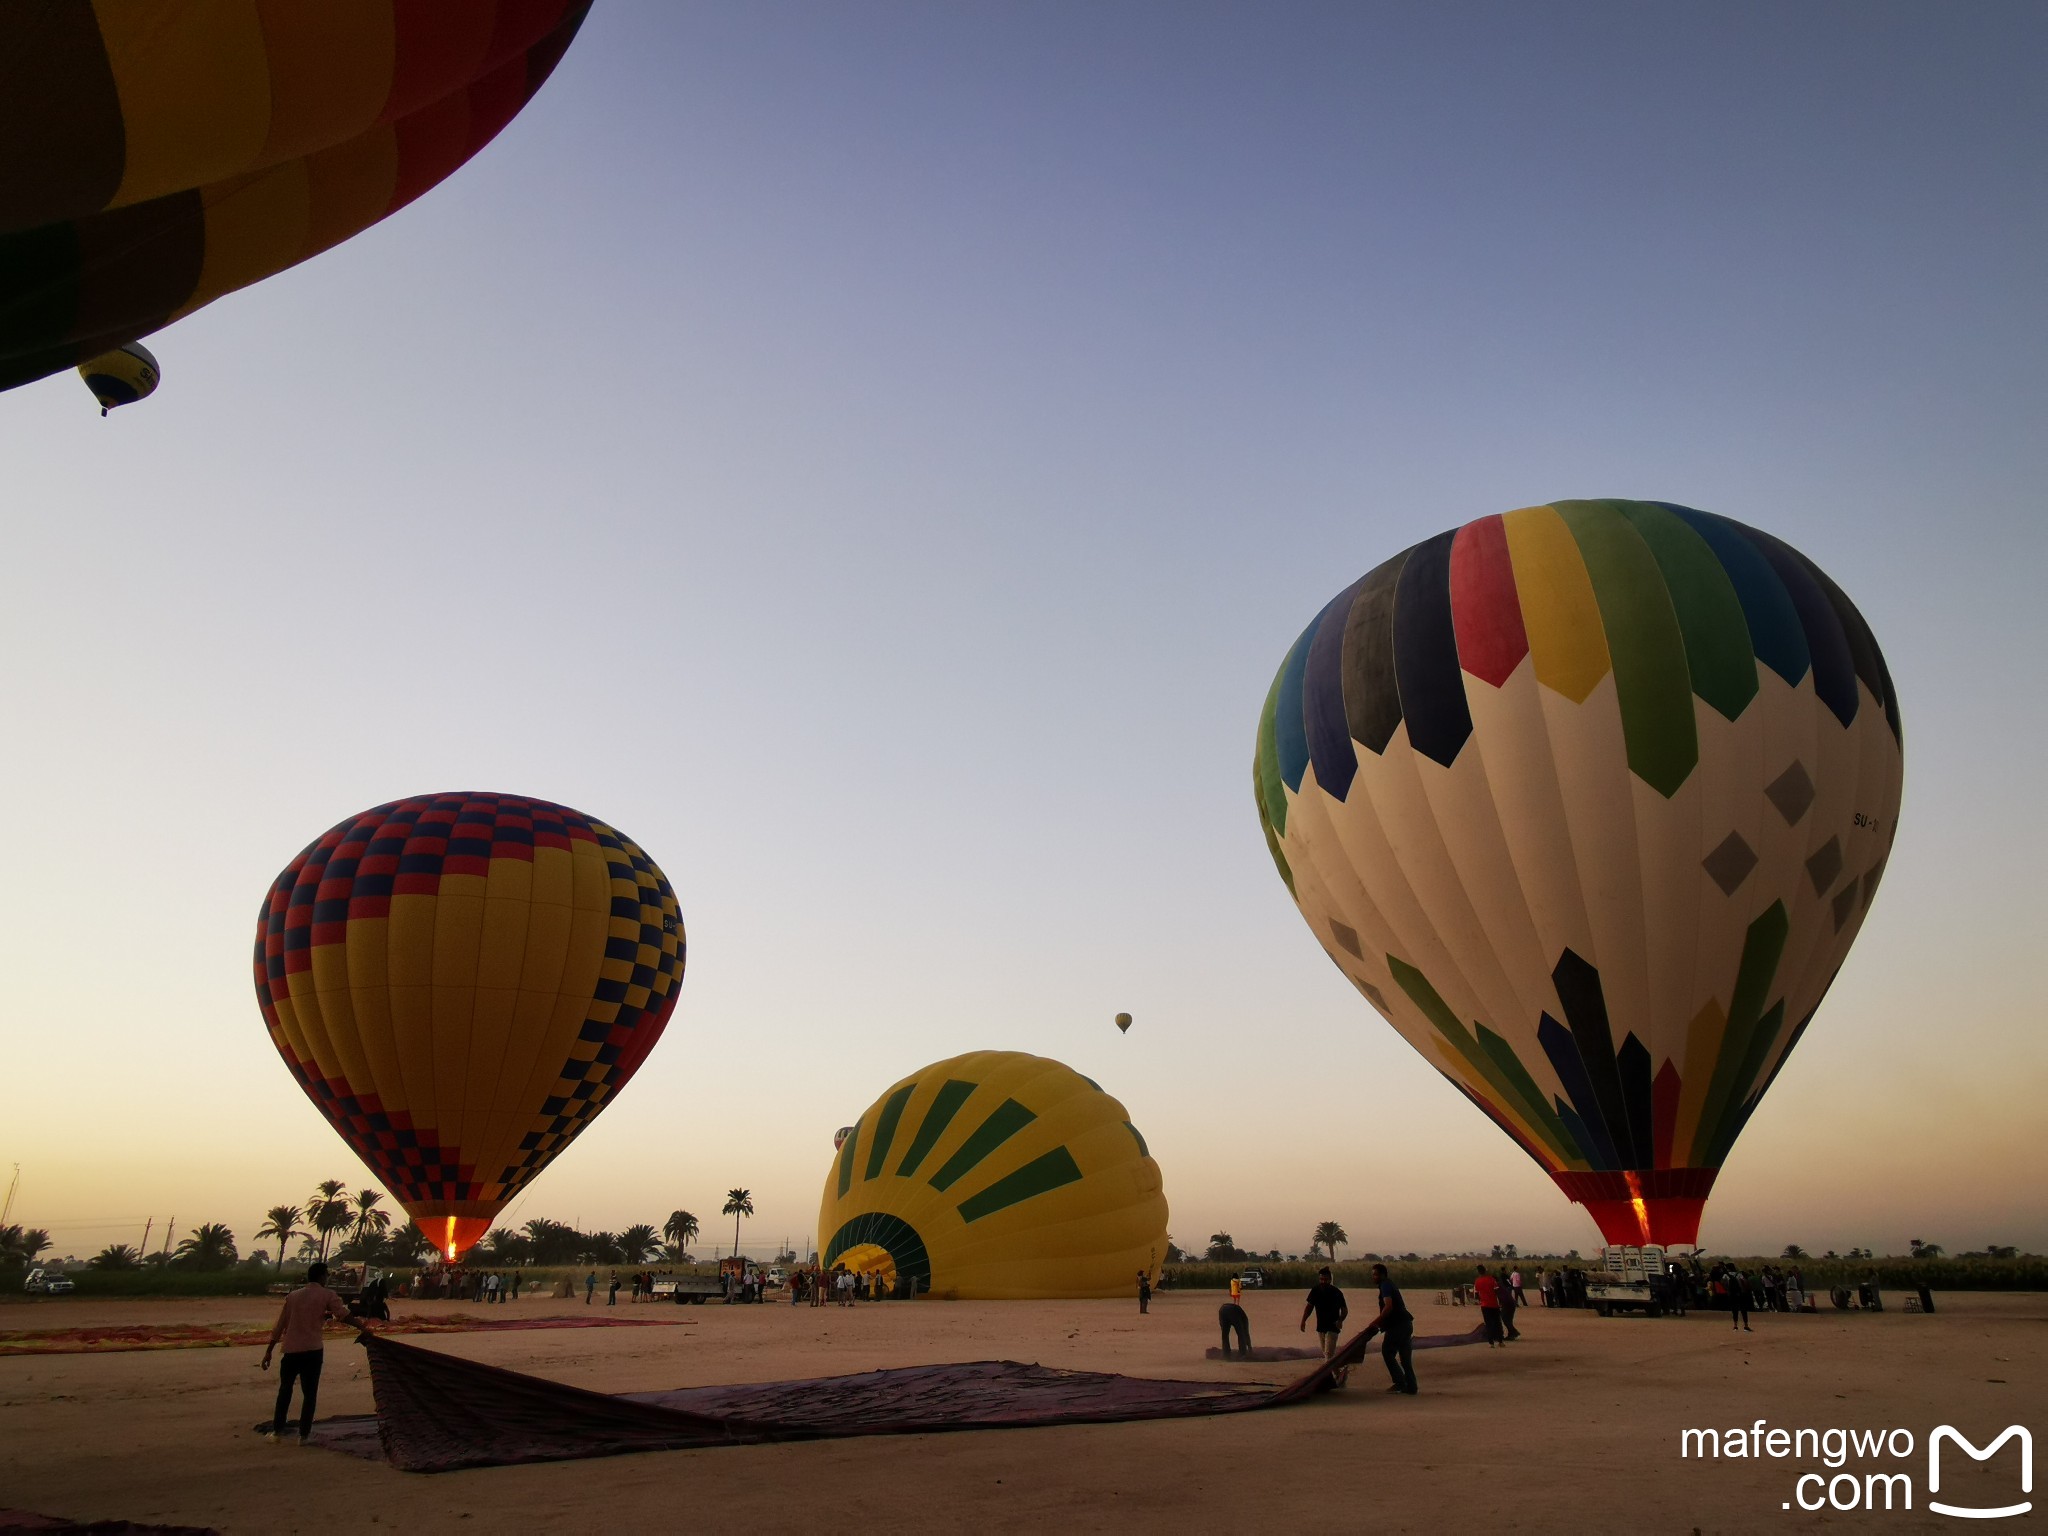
(1144, 1293)
(1515, 1285)
(611, 1295)
(515, 1284)
(589, 1286)
(1328, 1305)
(1543, 1285)
(1396, 1327)
(1508, 1302)
(1488, 1289)
(298, 1327)
(1738, 1301)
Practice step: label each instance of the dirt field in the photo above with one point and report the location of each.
(1575, 1427)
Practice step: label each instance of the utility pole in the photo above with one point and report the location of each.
(170, 1232)
(13, 1184)
(144, 1249)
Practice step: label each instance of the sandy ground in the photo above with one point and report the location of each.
(1575, 1427)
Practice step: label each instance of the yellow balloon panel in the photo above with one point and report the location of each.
(993, 1176)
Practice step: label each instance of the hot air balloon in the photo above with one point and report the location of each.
(155, 157)
(122, 376)
(839, 1137)
(1123, 1023)
(996, 1175)
(461, 982)
(1589, 801)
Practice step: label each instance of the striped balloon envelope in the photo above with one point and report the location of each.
(156, 156)
(1589, 801)
(993, 1176)
(461, 982)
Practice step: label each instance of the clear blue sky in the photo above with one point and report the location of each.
(877, 456)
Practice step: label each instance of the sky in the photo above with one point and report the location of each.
(877, 458)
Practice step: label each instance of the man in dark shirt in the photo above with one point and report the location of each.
(1327, 1303)
(1231, 1318)
(1396, 1327)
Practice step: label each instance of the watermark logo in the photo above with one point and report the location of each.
(1858, 1488)
(1950, 1433)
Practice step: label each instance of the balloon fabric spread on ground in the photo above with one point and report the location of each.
(461, 982)
(1589, 800)
(154, 157)
(992, 1176)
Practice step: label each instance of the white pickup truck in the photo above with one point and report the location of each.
(48, 1282)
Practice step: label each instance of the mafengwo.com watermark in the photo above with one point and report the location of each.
(1873, 1470)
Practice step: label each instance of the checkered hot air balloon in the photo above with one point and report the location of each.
(156, 156)
(1589, 801)
(461, 982)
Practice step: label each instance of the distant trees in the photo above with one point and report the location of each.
(1327, 1236)
(211, 1246)
(681, 1230)
(1794, 1251)
(1925, 1250)
(1223, 1248)
(116, 1256)
(19, 1245)
(327, 1212)
(738, 1203)
(636, 1242)
(280, 1222)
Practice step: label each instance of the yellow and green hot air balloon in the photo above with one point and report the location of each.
(1589, 801)
(996, 1176)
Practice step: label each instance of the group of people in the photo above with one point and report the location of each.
(1327, 1304)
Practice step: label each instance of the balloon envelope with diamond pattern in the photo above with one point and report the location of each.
(461, 982)
(1589, 801)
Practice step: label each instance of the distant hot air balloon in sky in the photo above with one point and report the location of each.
(154, 157)
(122, 376)
(1589, 801)
(461, 982)
(1123, 1023)
(839, 1137)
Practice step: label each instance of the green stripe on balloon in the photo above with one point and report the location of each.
(1266, 763)
(1743, 1097)
(1763, 946)
(1039, 1176)
(1003, 1122)
(1651, 679)
(1718, 651)
(885, 1129)
(1540, 1115)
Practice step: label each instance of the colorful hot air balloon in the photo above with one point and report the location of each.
(1123, 1023)
(122, 376)
(996, 1175)
(839, 1137)
(461, 982)
(1589, 800)
(154, 157)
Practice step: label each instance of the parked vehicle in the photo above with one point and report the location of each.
(48, 1282)
(1633, 1280)
(691, 1289)
(1252, 1277)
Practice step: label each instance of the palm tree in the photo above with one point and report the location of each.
(738, 1203)
(681, 1230)
(327, 1211)
(635, 1242)
(1793, 1251)
(115, 1256)
(366, 1222)
(282, 1223)
(1328, 1235)
(211, 1246)
(20, 1245)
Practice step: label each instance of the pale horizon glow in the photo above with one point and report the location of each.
(876, 458)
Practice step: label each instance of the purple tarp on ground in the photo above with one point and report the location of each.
(438, 1413)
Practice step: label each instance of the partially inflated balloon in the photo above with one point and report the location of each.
(1589, 801)
(996, 1175)
(461, 982)
(156, 156)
